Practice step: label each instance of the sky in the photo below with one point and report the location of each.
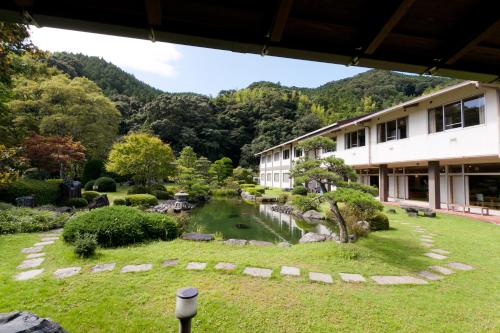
(180, 68)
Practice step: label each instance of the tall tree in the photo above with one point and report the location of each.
(11, 163)
(187, 158)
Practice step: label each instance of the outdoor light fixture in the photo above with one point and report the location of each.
(185, 308)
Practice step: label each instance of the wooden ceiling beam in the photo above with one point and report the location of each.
(402, 9)
(280, 20)
(153, 10)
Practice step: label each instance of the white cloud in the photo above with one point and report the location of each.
(133, 54)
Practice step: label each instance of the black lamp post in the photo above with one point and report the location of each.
(186, 307)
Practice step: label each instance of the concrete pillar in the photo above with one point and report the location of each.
(434, 185)
(383, 183)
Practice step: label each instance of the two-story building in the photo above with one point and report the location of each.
(442, 148)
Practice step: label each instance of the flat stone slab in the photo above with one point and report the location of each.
(440, 251)
(430, 276)
(169, 262)
(426, 236)
(320, 277)
(312, 237)
(435, 255)
(48, 239)
(392, 279)
(290, 271)
(103, 267)
(225, 266)
(427, 240)
(35, 255)
(31, 263)
(44, 243)
(441, 270)
(284, 244)
(136, 268)
(405, 223)
(460, 266)
(420, 231)
(348, 277)
(258, 272)
(233, 241)
(428, 245)
(197, 266)
(194, 236)
(260, 243)
(62, 273)
(33, 249)
(27, 275)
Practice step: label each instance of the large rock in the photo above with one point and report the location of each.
(312, 237)
(312, 214)
(233, 241)
(260, 243)
(24, 322)
(194, 236)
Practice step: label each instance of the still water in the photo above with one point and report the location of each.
(237, 219)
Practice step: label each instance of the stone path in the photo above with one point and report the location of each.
(258, 272)
(392, 279)
(62, 273)
(347, 277)
(290, 271)
(320, 277)
(225, 266)
(136, 268)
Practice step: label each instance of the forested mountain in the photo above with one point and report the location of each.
(110, 78)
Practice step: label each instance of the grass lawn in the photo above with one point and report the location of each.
(231, 302)
(121, 192)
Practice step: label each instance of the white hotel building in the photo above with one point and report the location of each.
(442, 148)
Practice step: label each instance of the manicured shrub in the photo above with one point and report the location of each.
(224, 192)
(5, 205)
(247, 185)
(16, 220)
(85, 245)
(283, 198)
(78, 202)
(93, 169)
(157, 187)
(45, 192)
(162, 195)
(260, 189)
(89, 186)
(379, 221)
(299, 190)
(90, 195)
(57, 181)
(119, 225)
(146, 200)
(120, 202)
(35, 173)
(253, 191)
(305, 203)
(105, 184)
(138, 189)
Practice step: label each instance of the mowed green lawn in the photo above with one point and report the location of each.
(467, 301)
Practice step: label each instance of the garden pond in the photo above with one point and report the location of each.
(234, 218)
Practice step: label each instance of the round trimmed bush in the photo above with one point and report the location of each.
(78, 202)
(146, 200)
(299, 190)
(45, 192)
(120, 202)
(379, 221)
(90, 195)
(162, 195)
(119, 225)
(89, 186)
(157, 187)
(105, 184)
(138, 189)
(85, 245)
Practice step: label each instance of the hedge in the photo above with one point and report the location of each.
(119, 202)
(141, 200)
(90, 195)
(105, 184)
(162, 195)
(45, 192)
(379, 221)
(77, 202)
(16, 220)
(299, 190)
(120, 225)
(89, 186)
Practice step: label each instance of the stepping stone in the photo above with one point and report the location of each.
(440, 251)
(225, 266)
(26, 275)
(48, 239)
(260, 243)
(136, 268)
(460, 266)
(194, 236)
(320, 277)
(35, 255)
(428, 245)
(31, 263)
(169, 263)
(352, 277)
(430, 276)
(33, 249)
(405, 223)
(233, 241)
(442, 270)
(388, 279)
(66, 272)
(435, 256)
(258, 272)
(290, 271)
(44, 243)
(420, 231)
(284, 244)
(426, 236)
(197, 266)
(103, 267)
(50, 235)
(427, 240)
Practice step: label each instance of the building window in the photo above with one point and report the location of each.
(298, 152)
(392, 130)
(276, 177)
(276, 156)
(262, 159)
(464, 113)
(355, 139)
(262, 177)
(286, 154)
(286, 177)
(334, 148)
(269, 177)
(268, 158)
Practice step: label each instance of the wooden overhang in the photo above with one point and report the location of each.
(455, 38)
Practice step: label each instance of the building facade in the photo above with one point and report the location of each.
(442, 148)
